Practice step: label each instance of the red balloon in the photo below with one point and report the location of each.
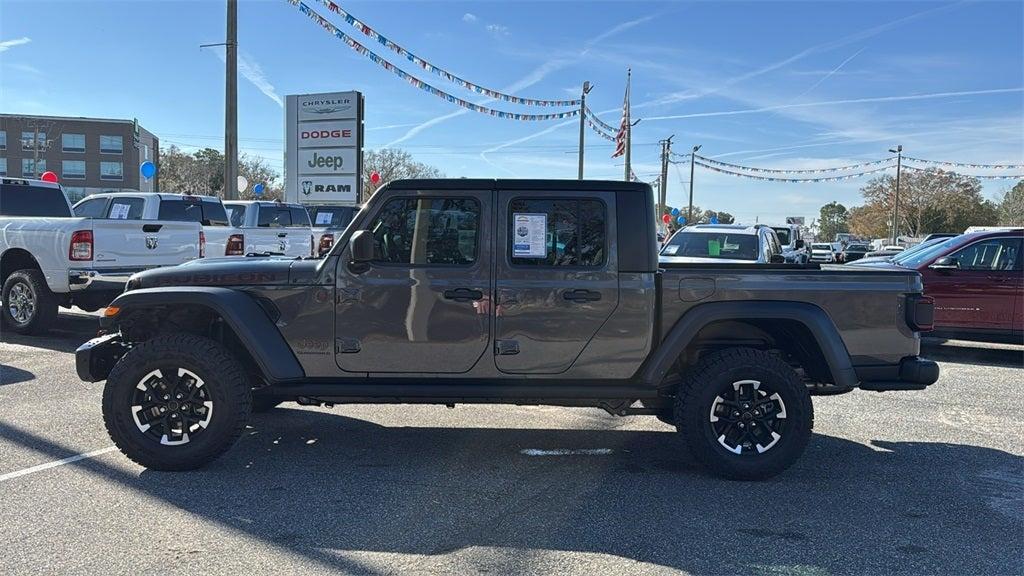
(375, 177)
(48, 176)
(666, 218)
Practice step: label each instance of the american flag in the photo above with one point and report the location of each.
(620, 136)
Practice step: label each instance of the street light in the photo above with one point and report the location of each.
(689, 212)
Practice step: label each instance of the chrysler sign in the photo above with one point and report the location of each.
(323, 157)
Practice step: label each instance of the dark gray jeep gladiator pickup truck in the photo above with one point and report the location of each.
(526, 292)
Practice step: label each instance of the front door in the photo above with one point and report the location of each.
(980, 292)
(422, 304)
(557, 279)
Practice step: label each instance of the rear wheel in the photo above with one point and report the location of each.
(28, 305)
(176, 402)
(744, 413)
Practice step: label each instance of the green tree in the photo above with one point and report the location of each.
(833, 219)
(1011, 206)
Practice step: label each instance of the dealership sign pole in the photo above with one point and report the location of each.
(324, 148)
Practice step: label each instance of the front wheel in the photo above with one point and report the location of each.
(176, 402)
(744, 413)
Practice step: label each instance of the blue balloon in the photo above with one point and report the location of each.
(714, 219)
(681, 219)
(258, 189)
(675, 211)
(147, 169)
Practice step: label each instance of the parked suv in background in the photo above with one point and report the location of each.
(977, 282)
(853, 252)
(793, 248)
(823, 252)
(724, 243)
(329, 221)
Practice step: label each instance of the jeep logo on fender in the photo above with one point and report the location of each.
(321, 161)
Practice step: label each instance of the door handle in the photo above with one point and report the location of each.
(463, 294)
(282, 234)
(581, 295)
(152, 227)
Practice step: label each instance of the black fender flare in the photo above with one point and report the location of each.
(814, 318)
(240, 311)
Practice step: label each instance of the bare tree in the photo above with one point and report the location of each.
(393, 164)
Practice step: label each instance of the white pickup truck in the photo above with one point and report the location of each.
(276, 228)
(48, 258)
(207, 211)
(329, 221)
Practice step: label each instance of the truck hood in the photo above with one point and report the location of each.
(248, 271)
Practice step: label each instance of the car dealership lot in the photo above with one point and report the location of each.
(923, 482)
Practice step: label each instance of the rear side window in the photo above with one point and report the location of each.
(207, 213)
(274, 217)
(28, 200)
(566, 232)
(92, 208)
(125, 209)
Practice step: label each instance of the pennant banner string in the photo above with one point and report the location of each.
(965, 165)
(352, 43)
(985, 177)
(793, 180)
(783, 171)
(370, 32)
(607, 127)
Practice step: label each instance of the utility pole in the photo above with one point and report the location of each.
(689, 212)
(231, 105)
(35, 153)
(583, 120)
(896, 201)
(666, 149)
(628, 127)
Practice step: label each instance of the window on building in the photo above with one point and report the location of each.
(574, 232)
(72, 142)
(111, 170)
(111, 144)
(3, 140)
(29, 142)
(73, 169)
(29, 169)
(3, 166)
(423, 231)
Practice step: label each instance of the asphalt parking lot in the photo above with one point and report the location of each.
(911, 483)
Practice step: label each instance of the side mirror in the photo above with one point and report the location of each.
(777, 259)
(361, 247)
(800, 244)
(945, 263)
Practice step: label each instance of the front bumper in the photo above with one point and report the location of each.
(912, 373)
(95, 358)
(105, 280)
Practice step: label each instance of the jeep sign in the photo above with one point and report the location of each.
(324, 141)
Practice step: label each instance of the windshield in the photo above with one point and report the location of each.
(28, 200)
(857, 248)
(783, 234)
(821, 247)
(913, 258)
(713, 245)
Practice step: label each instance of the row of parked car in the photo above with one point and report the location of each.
(58, 255)
(975, 278)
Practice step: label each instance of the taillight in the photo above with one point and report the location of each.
(81, 245)
(202, 244)
(326, 241)
(235, 245)
(920, 312)
(312, 245)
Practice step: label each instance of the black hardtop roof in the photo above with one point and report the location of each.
(517, 184)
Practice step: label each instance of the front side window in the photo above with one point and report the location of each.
(997, 254)
(424, 231)
(29, 168)
(564, 232)
(111, 170)
(91, 208)
(73, 142)
(126, 209)
(73, 169)
(111, 144)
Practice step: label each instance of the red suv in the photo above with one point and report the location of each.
(977, 282)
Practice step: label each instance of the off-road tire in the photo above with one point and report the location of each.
(718, 371)
(227, 385)
(45, 302)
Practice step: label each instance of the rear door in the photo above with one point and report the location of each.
(556, 277)
(981, 292)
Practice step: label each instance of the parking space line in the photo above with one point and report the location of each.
(54, 464)
(566, 452)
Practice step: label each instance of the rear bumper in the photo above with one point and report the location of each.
(95, 358)
(912, 373)
(105, 280)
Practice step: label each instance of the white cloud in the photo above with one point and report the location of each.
(469, 17)
(498, 29)
(6, 45)
(251, 71)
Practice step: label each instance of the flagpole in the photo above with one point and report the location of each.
(629, 74)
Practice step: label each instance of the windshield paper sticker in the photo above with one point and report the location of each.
(529, 235)
(324, 217)
(671, 249)
(714, 248)
(119, 211)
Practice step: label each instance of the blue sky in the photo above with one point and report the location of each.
(770, 84)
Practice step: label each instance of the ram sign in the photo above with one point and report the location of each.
(324, 144)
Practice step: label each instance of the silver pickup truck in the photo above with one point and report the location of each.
(537, 292)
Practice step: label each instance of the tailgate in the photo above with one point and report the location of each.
(144, 243)
(287, 241)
